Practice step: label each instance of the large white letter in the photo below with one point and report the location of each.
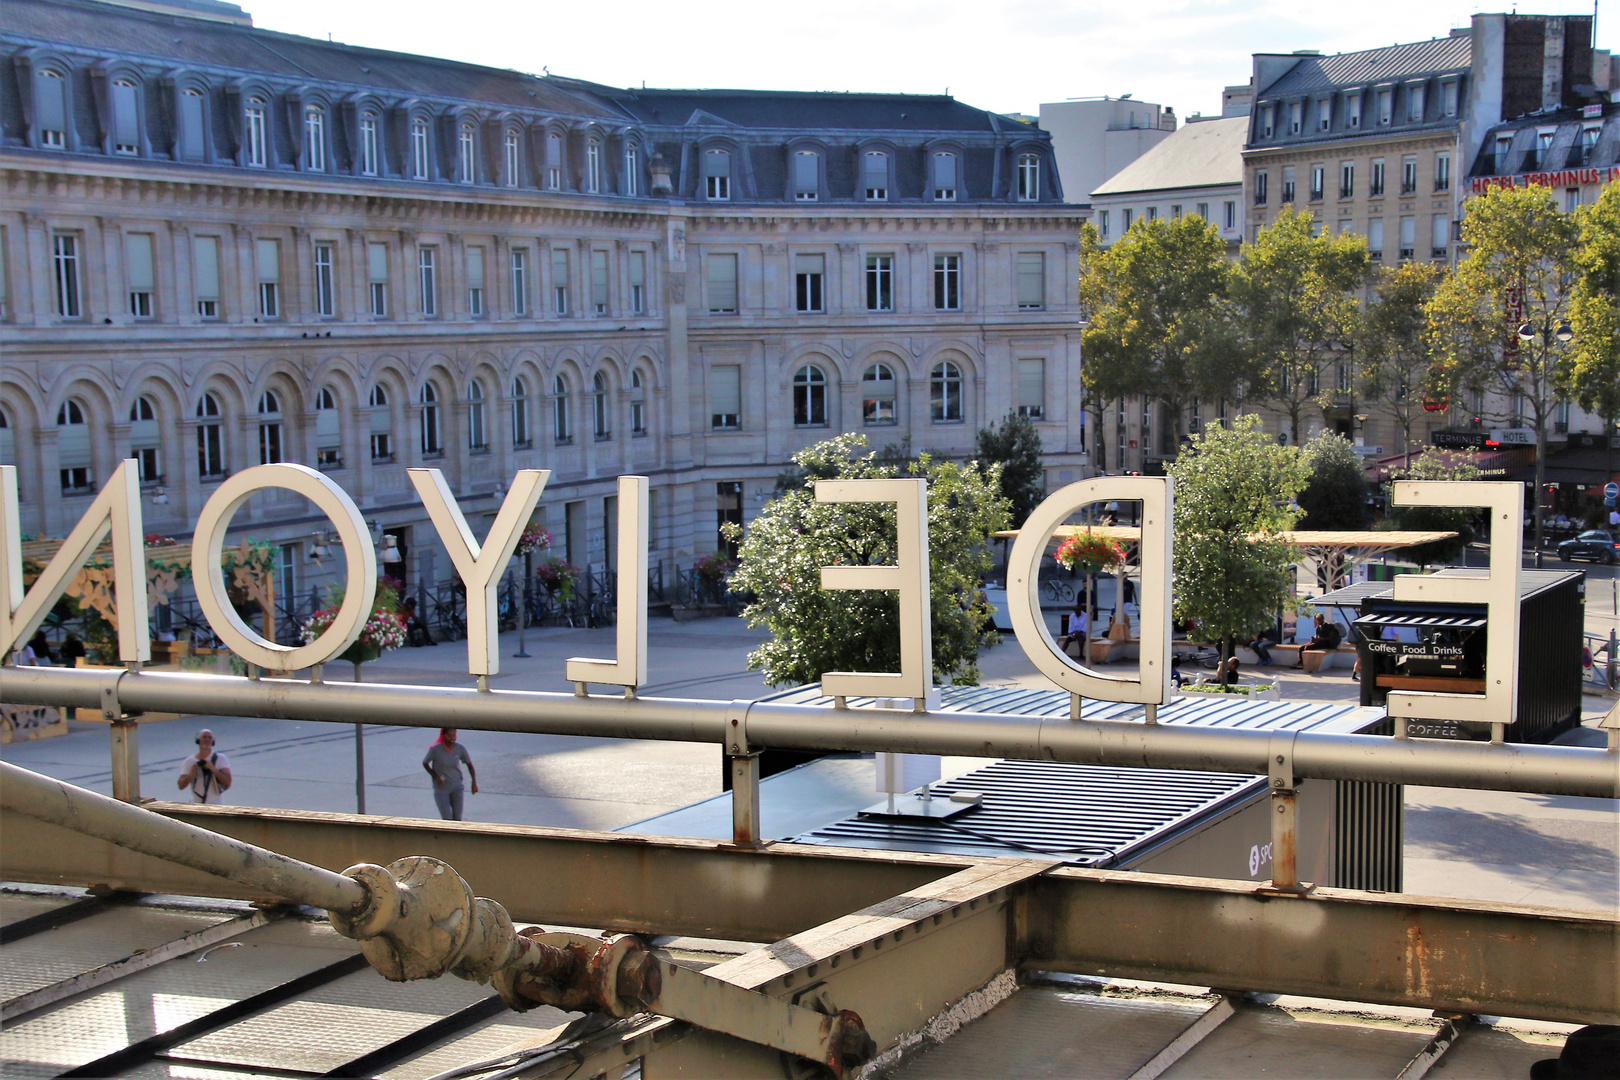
(359, 592)
(630, 669)
(117, 509)
(1499, 592)
(481, 567)
(909, 576)
(1151, 686)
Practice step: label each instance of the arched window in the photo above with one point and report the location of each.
(638, 404)
(520, 412)
(944, 177)
(419, 148)
(126, 124)
(370, 144)
(600, 416)
(269, 428)
(593, 166)
(210, 439)
(328, 430)
(511, 159)
(554, 162)
(877, 395)
(73, 447)
(256, 126)
(875, 175)
(145, 439)
(806, 175)
(382, 425)
(477, 439)
(717, 174)
(51, 108)
(809, 397)
(632, 170)
(467, 154)
(315, 138)
(431, 446)
(1029, 177)
(945, 392)
(559, 409)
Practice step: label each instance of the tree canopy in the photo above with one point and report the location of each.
(1434, 464)
(1594, 375)
(1157, 324)
(1235, 490)
(1394, 376)
(1015, 445)
(1295, 295)
(1520, 250)
(814, 629)
(1335, 493)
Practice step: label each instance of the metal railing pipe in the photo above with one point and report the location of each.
(36, 796)
(1552, 770)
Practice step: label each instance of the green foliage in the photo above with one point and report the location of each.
(1434, 464)
(1594, 376)
(1394, 369)
(1157, 318)
(1234, 490)
(1296, 298)
(1335, 495)
(814, 629)
(1016, 446)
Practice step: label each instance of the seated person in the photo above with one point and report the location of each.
(1176, 676)
(1327, 639)
(1262, 644)
(1078, 626)
(416, 631)
(1228, 672)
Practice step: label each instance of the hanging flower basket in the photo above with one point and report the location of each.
(384, 629)
(558, 577)
(1089, 553)
(534, 539)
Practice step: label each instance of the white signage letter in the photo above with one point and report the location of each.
(909, 576)
(481, 567)
(1151, 686)
(630, 669)
(1499, 593)
(117, 509)
(208, 543)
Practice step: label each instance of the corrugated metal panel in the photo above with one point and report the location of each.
(1393, 62)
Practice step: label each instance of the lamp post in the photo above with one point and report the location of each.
(1548, 332)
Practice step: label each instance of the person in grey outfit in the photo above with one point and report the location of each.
(443, 763)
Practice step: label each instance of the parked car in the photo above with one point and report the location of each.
(1598, 545)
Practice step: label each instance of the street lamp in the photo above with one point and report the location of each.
(1563, 333)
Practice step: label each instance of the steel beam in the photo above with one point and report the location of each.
(1552, 770)
(1454, 956)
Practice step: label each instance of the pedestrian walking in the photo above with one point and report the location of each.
(443, 763)
(207, 772)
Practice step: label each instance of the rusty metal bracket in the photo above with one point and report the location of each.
(743, 761)
(111, 711)
(1284, 817)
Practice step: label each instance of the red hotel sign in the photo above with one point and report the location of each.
(1562, 178)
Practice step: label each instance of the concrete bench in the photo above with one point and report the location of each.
(1102, 650)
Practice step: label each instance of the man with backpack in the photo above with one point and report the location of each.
(207, 772)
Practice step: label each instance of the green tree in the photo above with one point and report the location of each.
(814, 629)
(1520, 256)
(1298, 312)
(1157, 318)
(1335, 494)
(1434, 464)
(1235, 490)
(1394, 357)
(1015, 445)
(1595, 315)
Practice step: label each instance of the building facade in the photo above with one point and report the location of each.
(221, 246)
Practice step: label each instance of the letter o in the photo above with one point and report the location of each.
(360, 559)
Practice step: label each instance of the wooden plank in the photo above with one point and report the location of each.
(1441, 683)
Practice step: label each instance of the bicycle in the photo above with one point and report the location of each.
(1058, 591)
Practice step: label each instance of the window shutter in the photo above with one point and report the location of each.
(138, 261)
(599, 276)
(559, 267)
(716, 163)
(722, 283)
(1408, 232)
(191, 126)
(877, 170)
(205, 266)
(809, 264)
(327, 431)
(725, 389)
(1375, 234)
(1442, 231)
(1031, 383)
(475, 268)
(50, 104)
(553, 151)
(126, 126)
(268, 260)
(944, 170)
(1031, 279)
(73, 445)
(377, 263)
(382, 421)
(805, 171)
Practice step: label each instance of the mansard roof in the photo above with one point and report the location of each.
(1391, 63)
(807, 111)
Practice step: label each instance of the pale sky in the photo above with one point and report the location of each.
(1008, 57)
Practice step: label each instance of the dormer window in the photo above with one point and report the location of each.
(632, 170)
(1029, 177)
(419, 148)
(370, 144)
(315, 138)
(126, 125)
(50, 108)
(1352, 111)
(593, 167)
(717, 174)
(1296, 117)
(1448, 99)
(875, 175)
(554, 149)
(1414, 103)
(467, 154)
(511, 158)
(1386, 107)
(1268, 121)
(193, 125)
(1324, 114)
(257, 144)
(806, 175)
(944, 177)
